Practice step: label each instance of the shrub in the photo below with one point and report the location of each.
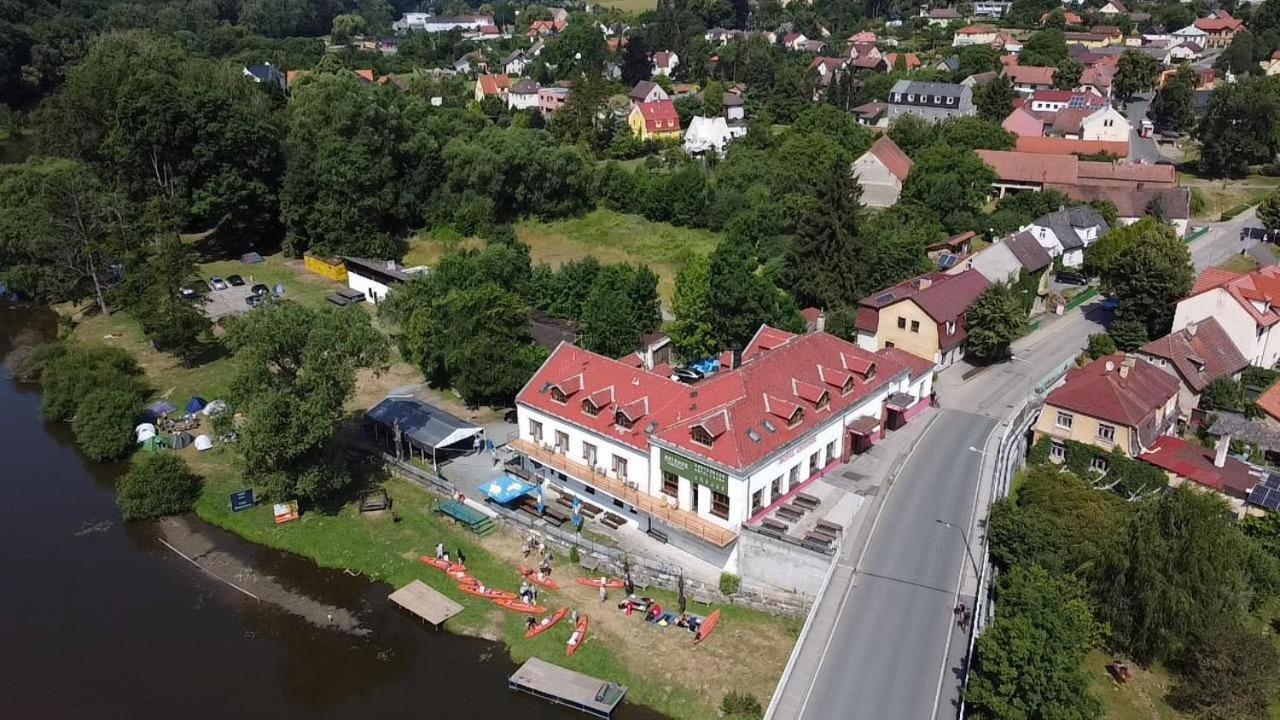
(1101, 344)
(158, 485)
(741, 706)
(104, 423)
(71, 371)
(1198, 201)
(574, 556)
(729, 583)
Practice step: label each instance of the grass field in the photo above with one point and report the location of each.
(1240, 264)
(614, 237)
(1222, 195)
(1142, 698)
(632, 6)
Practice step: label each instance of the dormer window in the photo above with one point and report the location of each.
(700, 435)
(621, 420)
(951, 327)
(848, 387)
(558, 395)
(823, 401)
(590, 408)
(796, 418)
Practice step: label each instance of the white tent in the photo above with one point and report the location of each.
(705, 134)
(145, 432)
(203, 443)
(215, 407)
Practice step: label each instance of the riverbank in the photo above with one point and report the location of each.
(662, 666)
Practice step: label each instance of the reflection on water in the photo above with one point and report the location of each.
(98, 619)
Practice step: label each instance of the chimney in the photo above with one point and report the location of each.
(1124, 368)
(391, 264)
(1191, 329)
(1224, 444)
(736, 361)
(923, 283)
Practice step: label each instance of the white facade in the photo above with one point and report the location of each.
(1107, 124)
(974, 38)
(374, 291)
(1260, 345)
(424, 22)
(522, 100)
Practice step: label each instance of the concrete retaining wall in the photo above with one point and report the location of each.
(781, 564)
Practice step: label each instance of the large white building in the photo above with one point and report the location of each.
(1246, 306)
(697, 461)
(424, 22)
(376, 278)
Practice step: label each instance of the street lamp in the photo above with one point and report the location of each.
(968, 551)
(973, 449)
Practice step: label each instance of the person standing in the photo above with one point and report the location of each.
(604, 593)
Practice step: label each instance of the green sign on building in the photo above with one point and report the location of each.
(694, 472)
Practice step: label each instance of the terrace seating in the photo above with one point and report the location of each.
(806, 501)
(831, 528)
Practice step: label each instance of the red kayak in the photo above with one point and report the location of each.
(595, 582)
(532, 576)
(466, 579)
(457, 572)
(546, 623)
(488, 593)
(442, 564)
(707, 626)
(518, 606)
(581, 632)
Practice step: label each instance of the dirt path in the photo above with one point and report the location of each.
(184, 537)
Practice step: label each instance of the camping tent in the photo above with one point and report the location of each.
(250, 258)
(505, 489)
(145, 432)
(160, 408)
(179, 440)
(153, 443)
(203, 443)
(196, 404)
(215, 407)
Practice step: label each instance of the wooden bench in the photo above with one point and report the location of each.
(834, 528)
(814, 545)
(787, 513)
(806, 501)
(771, 524)
(829, 536)
(609, 522)
(657, 534)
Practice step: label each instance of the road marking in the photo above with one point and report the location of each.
(977, 490)
(848, 591)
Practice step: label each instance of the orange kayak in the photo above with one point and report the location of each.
(595, 582)
(532, 576)
(707, 626)
(465, 579)
(518, 606)
(546, 623)
(457, 572)
(581, 631)
(441, 564)
(489, 593)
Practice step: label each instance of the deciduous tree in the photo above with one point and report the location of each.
(157, 485)
(993, 322)
(1239, 127)
(692, 333)
(1135, 72)
(1148, 269)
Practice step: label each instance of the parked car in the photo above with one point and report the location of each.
(254, 300)
(260, 289)
(1253, 233)
(687, 375)
(1072, 278)
(235, 280)
(218, 283)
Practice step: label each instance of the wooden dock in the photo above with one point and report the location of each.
(421, 600)
(566, 687)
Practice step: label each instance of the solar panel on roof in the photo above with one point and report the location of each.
(946, 261)
(1265, 497)
(884, 298)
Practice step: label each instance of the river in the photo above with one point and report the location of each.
(98, 619)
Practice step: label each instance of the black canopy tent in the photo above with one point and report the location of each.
(413, 425)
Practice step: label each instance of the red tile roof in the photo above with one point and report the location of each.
(1269, 401)
(944, 298)
(910, 60)
(976, 30)
(1030, 74)
(493, 85)
(1065, 146)
(1131, 203)
(1030, 167)
(1218, 22)
(660, 115)
(1122, 171)
(892, 157)
(1261, 286)
(1106, 390)
(1195, 463)
(1200, 353)
(766, 338)
(771, 385)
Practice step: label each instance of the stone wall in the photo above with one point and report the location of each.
(781, 564)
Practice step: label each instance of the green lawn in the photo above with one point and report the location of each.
(1240, 264)
(615, 237)
(632, 6)
(1141, 698)
(1222, 195)
(300, 285)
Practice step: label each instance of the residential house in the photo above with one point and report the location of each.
(735, 113)
(1111, 31)
(930, 100)
(1197, 354)
(492, 86)
(647, 91)
(1192, 34)
(824, 71)
(1132, 204)
(485, 33)
(665, 62)
(991, 8)
(956, 246)
(1052, 145)
(1069, 17)
(812, 46)
(1271, 66)
(793, 40)
(1087, 39)
(867, 52)
(1220, 28)
(266, 74)
(978, 80)
(941, 16)
(872, 114)
(551, 99)
(695, 462)
(1246, 305)
(881, 171)
(515, 63)
(1034, 171)
(1066, 233)
(1113, 7)
(655, 120)
(1185, 52)
(901, 61)
(1098, 79)
(474, 61)
(1029, 79)
(924, 316)
(707, 134)
(974, 35)
(1055, 100)
(424, 22)
(377, 278)
(1113, 403)
(523, 95)
(1211, 470)
(949, 65)
(1013, 258)
(866, 37)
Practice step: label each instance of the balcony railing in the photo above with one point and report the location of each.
(682, 520)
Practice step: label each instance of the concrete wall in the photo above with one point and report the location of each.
(781, 564)
(880, 188)
(921, 343)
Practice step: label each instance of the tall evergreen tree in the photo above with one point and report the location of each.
(636, 64)
(823, 260)
(693, 333)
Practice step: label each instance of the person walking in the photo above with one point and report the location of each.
(462, 559)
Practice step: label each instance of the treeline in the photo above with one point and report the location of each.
(1170, 579)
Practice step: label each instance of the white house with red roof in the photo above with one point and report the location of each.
(1247, 306)
(700, 460)
(665, 62)
(881, 171)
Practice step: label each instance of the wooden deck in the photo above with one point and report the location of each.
(418, 598)
(646, 503)
(566, 687)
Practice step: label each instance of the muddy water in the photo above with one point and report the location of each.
(99, 619)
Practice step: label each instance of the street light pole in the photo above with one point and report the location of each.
(968, 550)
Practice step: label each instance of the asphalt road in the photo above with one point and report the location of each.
(886, 654)
(1140, 149)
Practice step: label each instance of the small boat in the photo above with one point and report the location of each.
(519, 606)
(488, 593)
(441, 564)
(546, 623)
(457, 572)
(532, 576)
(595, 582)
(707, 626)
(466, 579)
(581, 632)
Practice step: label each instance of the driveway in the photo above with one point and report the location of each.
(1140, 149)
